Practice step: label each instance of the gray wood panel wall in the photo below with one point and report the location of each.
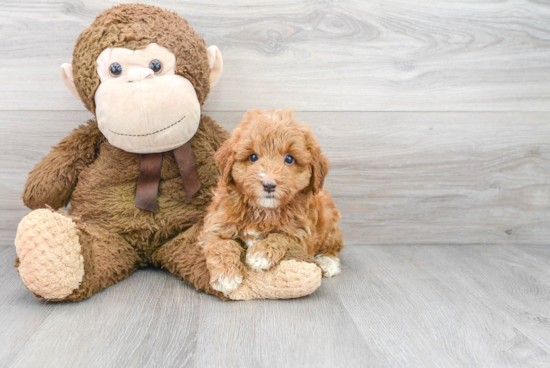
(435, 115)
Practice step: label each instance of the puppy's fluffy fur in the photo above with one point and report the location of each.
(270, 199)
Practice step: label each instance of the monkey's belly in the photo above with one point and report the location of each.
(113, 208)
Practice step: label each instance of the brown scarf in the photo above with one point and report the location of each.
(149, 176)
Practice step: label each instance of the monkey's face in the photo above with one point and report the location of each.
(142, 105)
(144, 72)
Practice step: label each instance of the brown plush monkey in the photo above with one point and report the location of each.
(140, 176)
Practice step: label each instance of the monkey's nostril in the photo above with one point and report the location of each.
(139, 74)
(269, 187)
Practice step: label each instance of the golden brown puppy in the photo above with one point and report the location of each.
(270, 198)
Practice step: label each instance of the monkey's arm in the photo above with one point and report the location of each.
(53, 179)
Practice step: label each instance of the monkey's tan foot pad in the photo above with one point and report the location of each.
(290, 279)
(50, 260)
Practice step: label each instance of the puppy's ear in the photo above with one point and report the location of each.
(224, 160)
(319, 162)
(319, 169)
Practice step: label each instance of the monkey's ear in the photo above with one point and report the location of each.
(68, 79)
(216, 64)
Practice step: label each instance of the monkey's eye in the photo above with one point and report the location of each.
(155, 66)
(115, 69)
(254, 157)
(289, 160)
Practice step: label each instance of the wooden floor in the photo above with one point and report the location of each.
(435, 116)
(392, 306)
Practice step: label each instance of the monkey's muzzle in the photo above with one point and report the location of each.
(141, 113)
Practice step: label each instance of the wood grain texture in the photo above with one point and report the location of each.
(153, 319)
(449, 306)
(382, 55)
(444, 186)
(393, 306)
(398, 178)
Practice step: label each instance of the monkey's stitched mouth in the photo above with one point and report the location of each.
(145, 135)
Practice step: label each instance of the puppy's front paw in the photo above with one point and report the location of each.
(225, 283)
(264, 254)
(259, 261)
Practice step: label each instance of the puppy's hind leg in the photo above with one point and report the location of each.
(327, 258)
(330, 265)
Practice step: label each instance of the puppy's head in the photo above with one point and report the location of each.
(270, 159)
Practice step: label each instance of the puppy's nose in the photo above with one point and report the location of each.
(269, 187)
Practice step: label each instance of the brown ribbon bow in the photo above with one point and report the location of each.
(149, 176)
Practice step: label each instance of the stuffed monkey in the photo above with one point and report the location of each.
(139, 176)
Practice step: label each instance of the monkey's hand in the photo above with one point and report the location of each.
(53, 179)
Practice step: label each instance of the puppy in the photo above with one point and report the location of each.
(270, 199)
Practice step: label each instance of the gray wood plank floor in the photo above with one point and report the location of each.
(393, 306)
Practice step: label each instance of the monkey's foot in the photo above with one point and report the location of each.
(290, 279)
(50, 260)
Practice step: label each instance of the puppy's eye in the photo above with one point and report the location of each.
(289, 160)
(156, 66)
(115, 69)
(254, 157)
